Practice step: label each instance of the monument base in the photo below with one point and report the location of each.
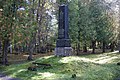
(63, 51)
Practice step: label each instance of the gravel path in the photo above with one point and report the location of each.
(5, 77)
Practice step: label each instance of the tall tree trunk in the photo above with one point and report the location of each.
(39, 40)
(78, 48)
(78, 44)
(119, 27)
(0, 52)
(119, 45)
(31, 48)
(30, 52)
(27, 46)
(32, 43)
(0, 47)
(30, 56)
(112, 46)
(75, 50)
(40, 15)
(103, 47)
(4, 55)
(93, 46)
(85, 47)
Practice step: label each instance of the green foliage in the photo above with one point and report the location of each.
(90, 20)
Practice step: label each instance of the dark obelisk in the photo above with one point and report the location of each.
(63, 46)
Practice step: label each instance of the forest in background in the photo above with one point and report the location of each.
(30, 26)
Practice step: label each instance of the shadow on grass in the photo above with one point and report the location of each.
(57, 70)
(20, 70)
(64, 71)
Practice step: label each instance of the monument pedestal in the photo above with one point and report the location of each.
(63, 47)
(63, 51)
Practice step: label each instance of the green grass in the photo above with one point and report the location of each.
(86, 67)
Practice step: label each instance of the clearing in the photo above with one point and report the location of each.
(84, 67)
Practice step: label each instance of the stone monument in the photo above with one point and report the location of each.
(63, 46)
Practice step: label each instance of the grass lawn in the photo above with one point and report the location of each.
(85, 67)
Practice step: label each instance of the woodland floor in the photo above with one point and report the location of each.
(83, 67)
(22, 57)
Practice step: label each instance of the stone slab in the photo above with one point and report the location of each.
(63, 51)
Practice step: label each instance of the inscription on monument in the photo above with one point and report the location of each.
(61, 20)
(61, 33)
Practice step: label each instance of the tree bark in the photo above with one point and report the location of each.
(93, 47)
(31, 47)
(32, 42)
(85, 47)
(103, 47)
(78, 48)
(0, 47)
(40, 15)
(78, 38)
(119, 46)
(112, 46)
(39, 40)
(30, 51)
(4, 55)
(119, 27)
